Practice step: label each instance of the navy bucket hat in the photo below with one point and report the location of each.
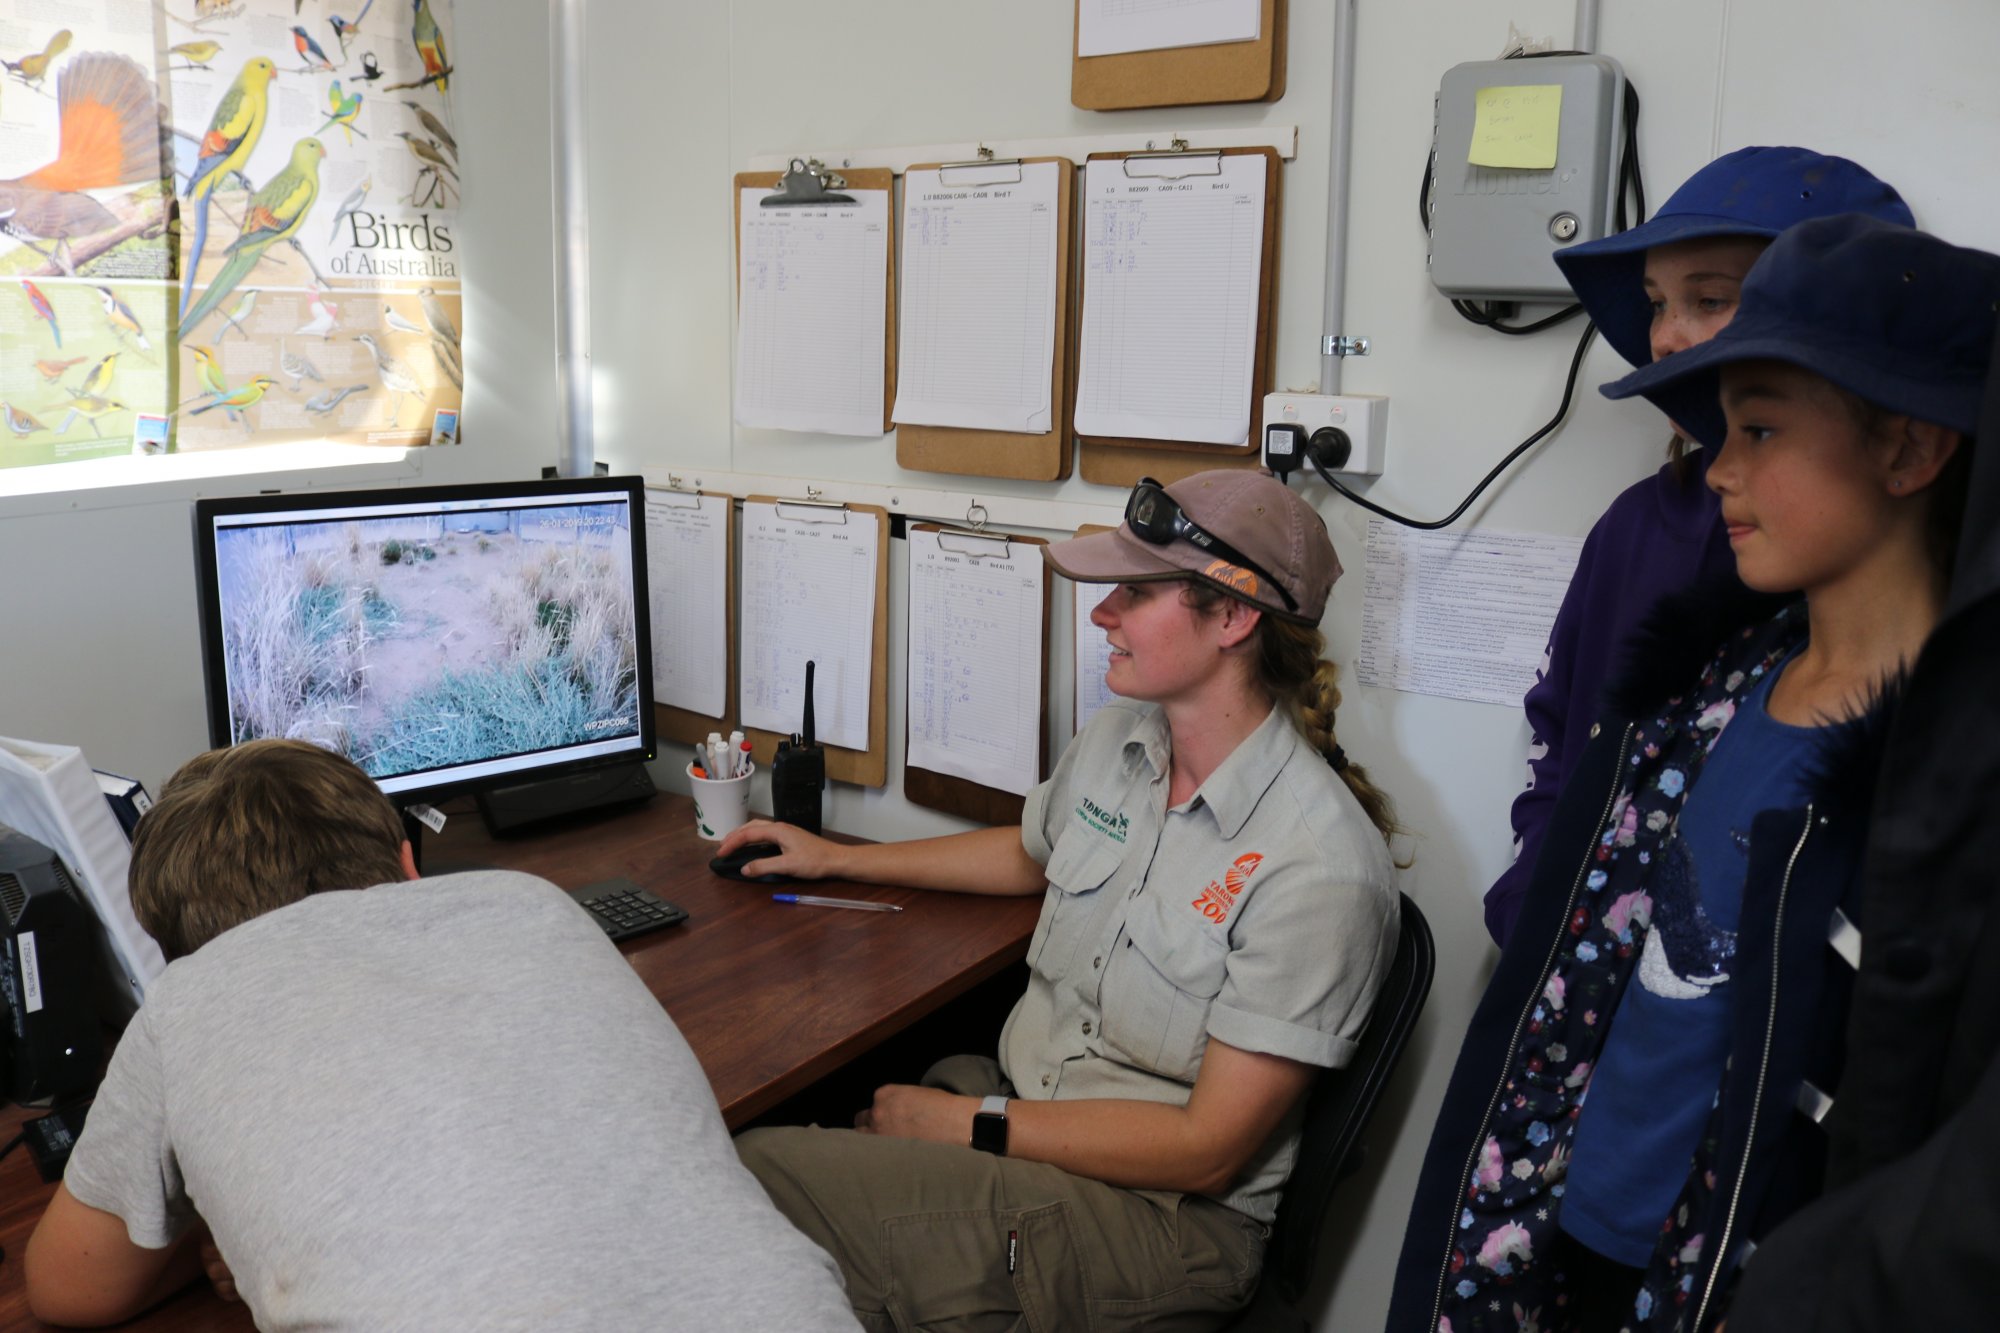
(1750, 192)
(1900, 318)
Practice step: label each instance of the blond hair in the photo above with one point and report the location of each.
(1292, 669)
(247, 830)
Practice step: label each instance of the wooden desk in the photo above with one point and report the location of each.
(772, 998)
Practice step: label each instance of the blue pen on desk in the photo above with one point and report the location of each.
(809, 900)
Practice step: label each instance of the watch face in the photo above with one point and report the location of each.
(989, 1133)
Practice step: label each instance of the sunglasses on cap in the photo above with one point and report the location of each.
(1157, 519)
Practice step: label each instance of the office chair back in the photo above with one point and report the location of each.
(1337, 1111)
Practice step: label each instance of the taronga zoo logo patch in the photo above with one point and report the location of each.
(1216, 901)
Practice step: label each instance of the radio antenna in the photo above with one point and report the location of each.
(807, 734)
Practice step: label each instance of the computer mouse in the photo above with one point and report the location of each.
(731, 866)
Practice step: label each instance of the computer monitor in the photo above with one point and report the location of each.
(445, 638)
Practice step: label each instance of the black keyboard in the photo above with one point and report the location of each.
(623, 909)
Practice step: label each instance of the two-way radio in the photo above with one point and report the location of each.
(798, 772)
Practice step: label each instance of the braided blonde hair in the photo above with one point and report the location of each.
(1291, 667)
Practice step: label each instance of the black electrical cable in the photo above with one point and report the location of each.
(1424, 191)
(1562, 410)
(1562, 316)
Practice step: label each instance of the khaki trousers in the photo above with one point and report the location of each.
(946, 1239)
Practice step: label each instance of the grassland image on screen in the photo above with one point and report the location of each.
(431, 640)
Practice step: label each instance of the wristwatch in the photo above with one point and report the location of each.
(989, 1126)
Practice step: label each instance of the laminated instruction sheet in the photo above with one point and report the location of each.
(1461, 614)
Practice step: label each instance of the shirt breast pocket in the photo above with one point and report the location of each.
(1080, 864)
(1158, 987)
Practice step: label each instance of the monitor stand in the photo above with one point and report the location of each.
(508, 808)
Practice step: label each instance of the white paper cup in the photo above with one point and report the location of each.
(720, 807)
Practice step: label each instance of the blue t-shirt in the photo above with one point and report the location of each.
(1661, 1068)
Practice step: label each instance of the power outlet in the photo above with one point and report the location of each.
(1364, 416)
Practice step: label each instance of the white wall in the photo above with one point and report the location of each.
(98, 645)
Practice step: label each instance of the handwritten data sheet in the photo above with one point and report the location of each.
(1110, 27)
(1093, 653)
(1465, 615)
(808, 595)
(976, 650)
(1170, 300)
(812, 293)
(978, 335)
(687, 592)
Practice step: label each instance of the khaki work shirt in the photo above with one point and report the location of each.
(1260, 912)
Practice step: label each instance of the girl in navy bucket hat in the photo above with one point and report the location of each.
(1663, 286)
(1639, 1099)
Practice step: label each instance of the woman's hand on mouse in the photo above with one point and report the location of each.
(806, 855)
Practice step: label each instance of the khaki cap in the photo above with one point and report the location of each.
(1250, 510)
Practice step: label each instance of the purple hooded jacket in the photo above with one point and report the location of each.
(1660, 536)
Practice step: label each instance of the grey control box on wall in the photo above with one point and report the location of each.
(1495, 229)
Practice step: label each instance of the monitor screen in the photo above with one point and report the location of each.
(443, 638)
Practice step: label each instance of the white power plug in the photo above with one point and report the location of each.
(1364, 417)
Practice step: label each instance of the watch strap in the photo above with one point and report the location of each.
(989, 1126)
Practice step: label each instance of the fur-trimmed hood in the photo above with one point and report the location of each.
(1680, 637)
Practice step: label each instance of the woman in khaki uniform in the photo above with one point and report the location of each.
(1218, 915)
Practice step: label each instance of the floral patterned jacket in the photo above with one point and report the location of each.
(1484, 1252)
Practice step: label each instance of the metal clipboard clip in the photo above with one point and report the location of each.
(983, 167)
(817, 509)
(1168, 165)
(676, 486)
(977, 543)
(805, 183)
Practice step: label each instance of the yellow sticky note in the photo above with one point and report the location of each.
(1517, 126)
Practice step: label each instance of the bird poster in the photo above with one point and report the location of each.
(85, 213)
(238, 216)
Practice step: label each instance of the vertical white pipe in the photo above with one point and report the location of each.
(1585, 38)
(1339, 152)
(576, 447)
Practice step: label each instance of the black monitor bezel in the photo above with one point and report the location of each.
(215, 684)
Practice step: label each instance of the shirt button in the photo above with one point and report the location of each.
(1086, 1027)
(1045, 1080)
(1595, 727)
(1097, 961)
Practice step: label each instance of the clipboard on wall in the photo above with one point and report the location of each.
(810, 186)
(1109, 459)
(1043, 456)
(866, 765)
(967, 705)
(681, 583)
(1184, 75)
